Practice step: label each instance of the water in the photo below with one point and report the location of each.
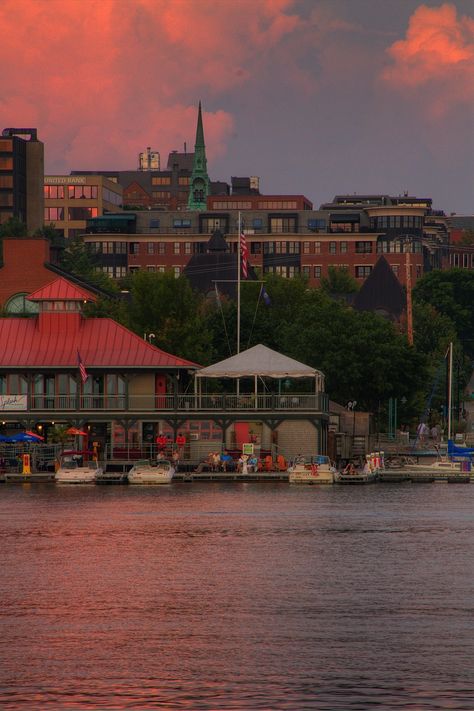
(237, 596)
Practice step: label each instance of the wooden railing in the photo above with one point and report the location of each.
(314, 402)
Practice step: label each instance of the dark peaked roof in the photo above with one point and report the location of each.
(216, 266)
(381, 292)
(217, 243)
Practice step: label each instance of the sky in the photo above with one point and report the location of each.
(316, 97)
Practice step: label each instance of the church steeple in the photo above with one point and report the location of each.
(199, 187)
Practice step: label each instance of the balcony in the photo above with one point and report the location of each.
(178, 404)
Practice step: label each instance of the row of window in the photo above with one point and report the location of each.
(72, 192)
(166, 180)
(61, 384)
(465, 260)
(53, 214)
(384, 222)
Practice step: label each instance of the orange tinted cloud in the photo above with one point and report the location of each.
(104, 79)
(438, 48)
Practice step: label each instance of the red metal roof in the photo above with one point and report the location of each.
(52, 340)
(60, 290)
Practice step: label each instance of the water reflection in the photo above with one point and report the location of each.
(228, 596)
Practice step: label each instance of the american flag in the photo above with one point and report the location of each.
(82, 368)
(244, 253)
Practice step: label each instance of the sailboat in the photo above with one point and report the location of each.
(455, 466)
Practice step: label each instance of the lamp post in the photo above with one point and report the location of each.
(351, 405)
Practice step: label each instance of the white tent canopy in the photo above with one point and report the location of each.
(259, 361)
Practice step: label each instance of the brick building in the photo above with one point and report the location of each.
(21, 177)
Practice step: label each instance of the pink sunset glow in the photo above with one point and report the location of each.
(290, 83)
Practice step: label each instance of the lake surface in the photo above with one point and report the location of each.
(237, 596)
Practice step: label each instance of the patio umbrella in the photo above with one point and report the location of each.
(35, 434)
(77, 432)
(24, 437)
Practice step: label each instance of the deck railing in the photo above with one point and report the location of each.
(314, 402)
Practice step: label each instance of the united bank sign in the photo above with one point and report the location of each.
(65, 180)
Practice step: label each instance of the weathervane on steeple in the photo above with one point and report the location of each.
(199, 186)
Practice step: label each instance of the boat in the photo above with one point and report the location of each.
(147, 471)
(366, 475)
(311, 470)
(77, 468)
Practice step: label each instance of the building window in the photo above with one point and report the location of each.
(134, 247)
(150, 248)
(82, 213)
(332, 247)
(362, 271)
(317, 272)
(188, 248)
(161, 247)
(306, 247)
(154, 224)
(161, 180)
(78, 192)
(181, 224)
(305, 270)
(257, 223)
(317, 247)
(177, 272)
(51, 214)
(343, 247)
(465, 260)
(418, 271)
(54, 192)
(255, 247)
(316, 225)
(184, 181)
(455, 260)
(395, 269)
(120, 272)
(283, 224)
(176, 248)
(151, 268)
(161, 194)
(363, 247)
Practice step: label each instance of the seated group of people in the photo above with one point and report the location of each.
(244, 464)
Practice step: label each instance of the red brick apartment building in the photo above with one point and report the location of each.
(284, 235)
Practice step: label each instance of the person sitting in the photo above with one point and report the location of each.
(227, 461)
(216, 462)
(252, 463)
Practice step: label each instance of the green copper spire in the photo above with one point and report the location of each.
(199, 186)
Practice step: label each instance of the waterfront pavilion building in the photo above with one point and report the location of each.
(131, 391)
(268, 399)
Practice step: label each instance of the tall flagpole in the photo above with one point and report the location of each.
(239, 263)
(450, 387)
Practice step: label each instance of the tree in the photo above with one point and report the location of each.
(339, 282)
(467, 238)
(13, 227)
(451, 293)
(168, 307)
(77, 260)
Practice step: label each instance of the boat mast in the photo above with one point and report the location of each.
(450, 387)
(239, 260)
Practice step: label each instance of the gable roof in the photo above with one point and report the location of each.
(102, 343)
(381, 291)
(258, 360)
(60, 290)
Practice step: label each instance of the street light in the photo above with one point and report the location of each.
(351, 405)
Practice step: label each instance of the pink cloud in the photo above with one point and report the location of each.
(437, 52)
(104, 79)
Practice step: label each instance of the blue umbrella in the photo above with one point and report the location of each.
(3, 438)
(22, 437)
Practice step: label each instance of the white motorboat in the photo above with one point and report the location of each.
(148, 471)
(311, 470)
(77, 468)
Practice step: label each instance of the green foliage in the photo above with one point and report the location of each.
(51, 233)
(339, 282)
(168, 307)
(13, 228)
(451, 293)
(79, 261)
